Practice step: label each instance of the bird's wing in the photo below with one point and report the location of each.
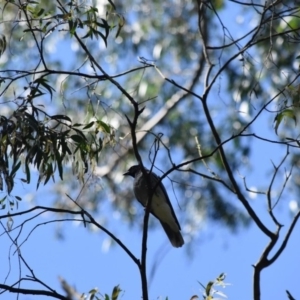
(161, 206)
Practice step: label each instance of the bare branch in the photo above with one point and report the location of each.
(285, 240)
(269, 196)
(32, 292)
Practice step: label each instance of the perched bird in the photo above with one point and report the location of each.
(161, 206)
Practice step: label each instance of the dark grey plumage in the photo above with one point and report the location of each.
(161, 206)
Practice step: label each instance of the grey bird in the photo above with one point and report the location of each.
(161, 206)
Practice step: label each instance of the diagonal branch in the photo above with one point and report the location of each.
(32, 292)
(228, 169)
(285, 240)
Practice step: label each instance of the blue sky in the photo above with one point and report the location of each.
(83, 259)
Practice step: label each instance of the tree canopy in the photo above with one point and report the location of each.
(205, 93)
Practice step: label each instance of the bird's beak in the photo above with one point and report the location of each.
(127, 173)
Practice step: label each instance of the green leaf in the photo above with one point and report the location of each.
(61, 117)
(64, 147)
(38, 157)
(77, 125)
(49, 172)
(93, 291)
(2, 44)
(3, 199)
(103, 37)
(43, 82)
(209, 287)
(44, 29)
(41, 11)
(1, 183)
(27, 170)
(115, 293)
(89, 33)
(77, 138)
(15, 169)
(9, 183)
(103, 126)
(59, 164)
(89, 125)
(288, 113)
(221, 277)
(120, 25)
(72, 26)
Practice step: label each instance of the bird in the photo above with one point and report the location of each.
(161, 206)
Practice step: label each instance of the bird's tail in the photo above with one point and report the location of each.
(175, 237)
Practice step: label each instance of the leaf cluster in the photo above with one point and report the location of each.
(32, 138)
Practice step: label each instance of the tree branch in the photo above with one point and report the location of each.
(32, 292)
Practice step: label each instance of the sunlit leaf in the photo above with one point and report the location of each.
(115, 293)
(288, 113)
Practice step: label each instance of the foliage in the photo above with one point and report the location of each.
(212, 286)
(94, 294)
(87, 88)
(46, 144)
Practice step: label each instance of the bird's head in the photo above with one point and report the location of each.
(133, 170)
